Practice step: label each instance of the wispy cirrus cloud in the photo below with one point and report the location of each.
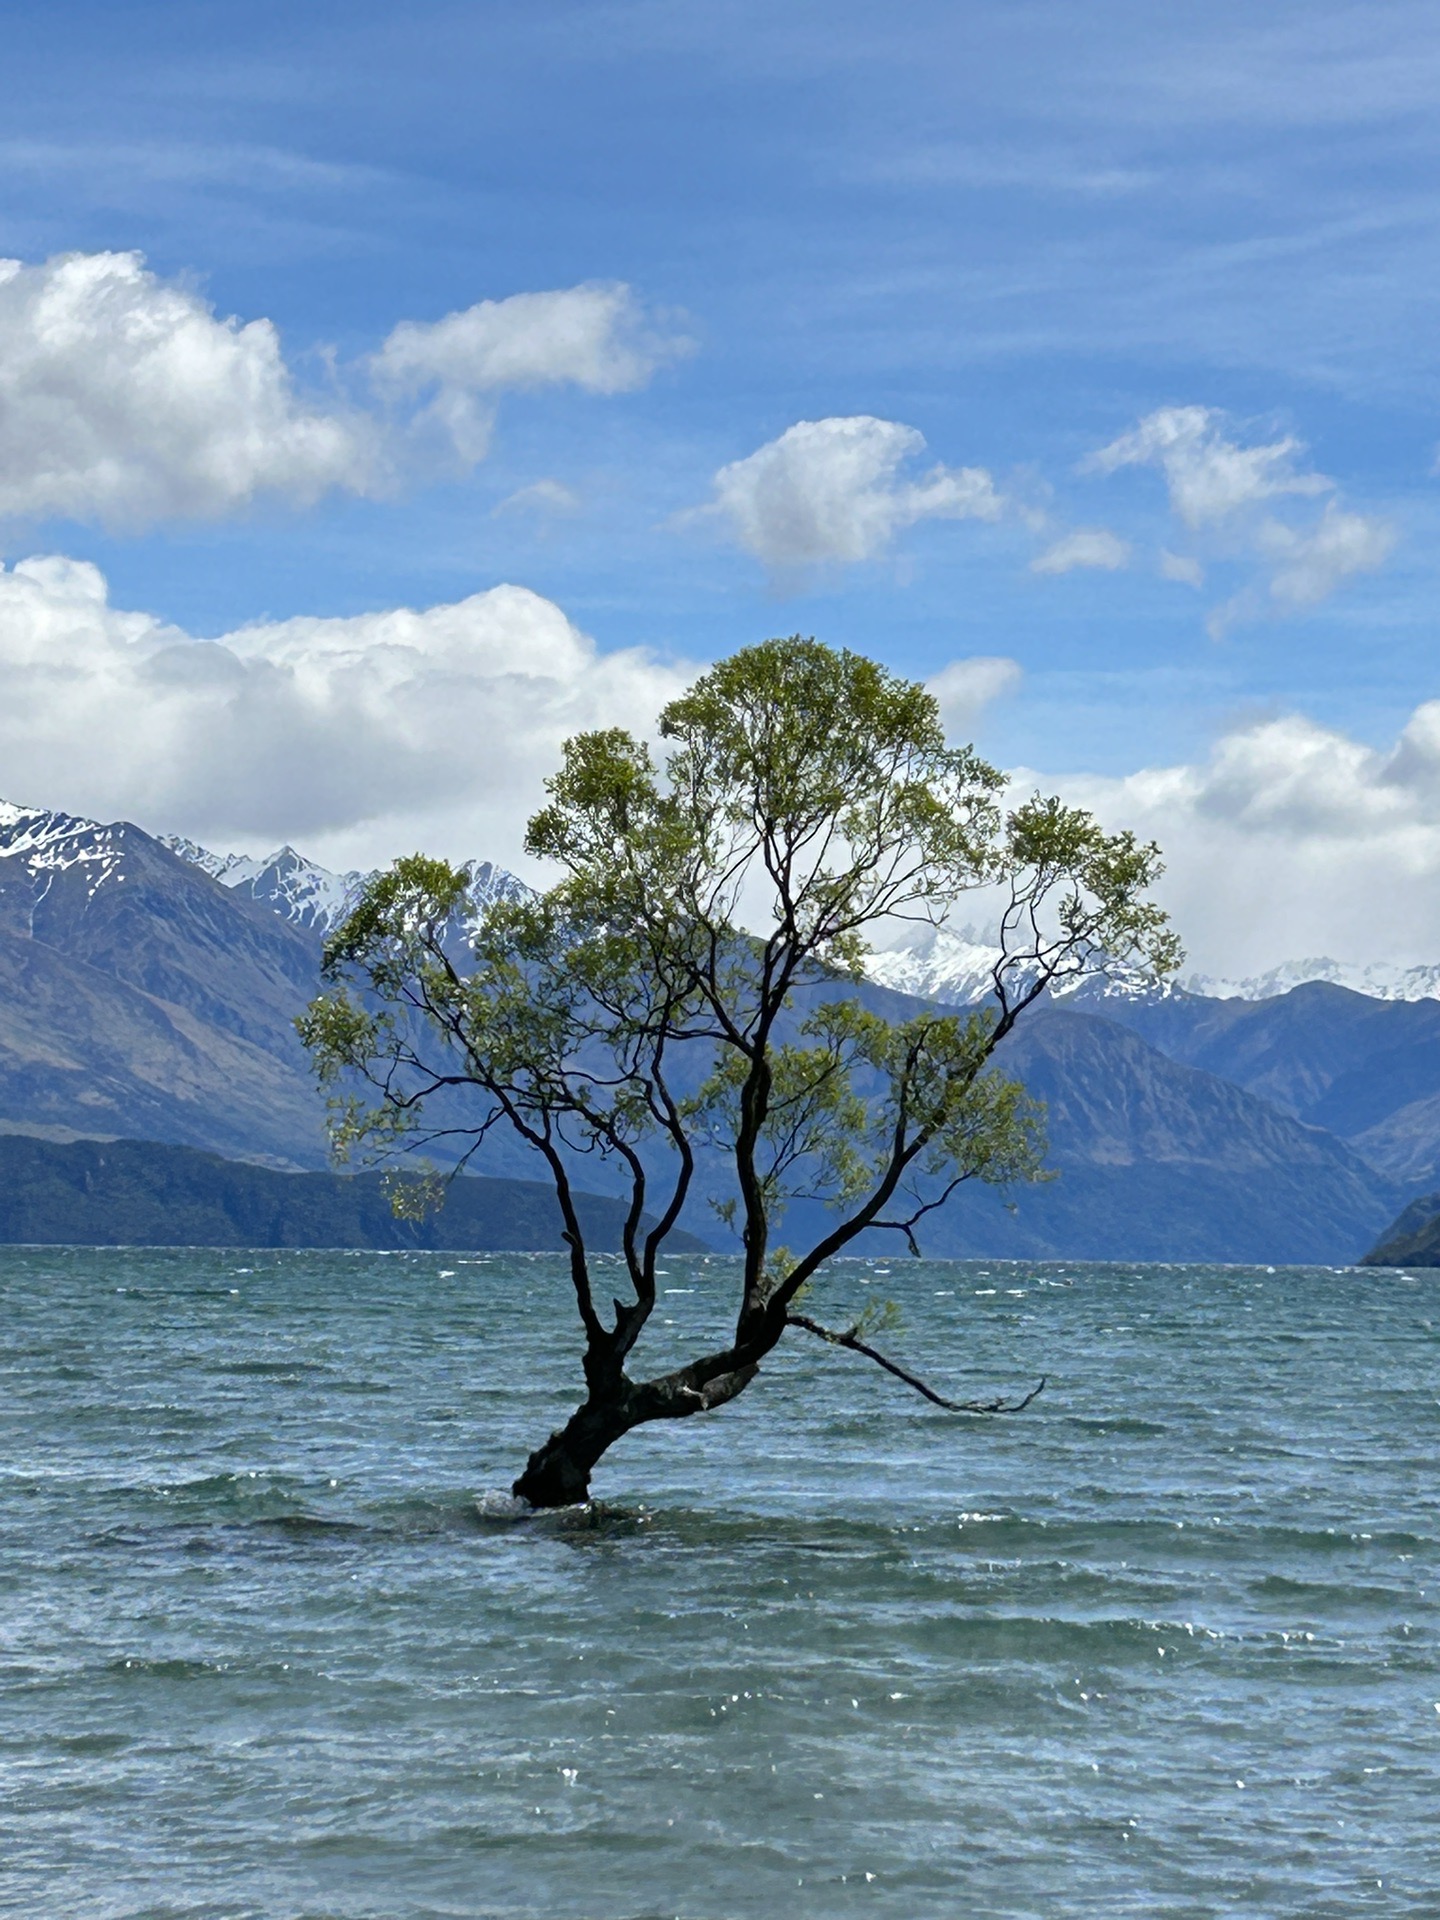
(545, 499)
(1309, 563)
(1088, 547)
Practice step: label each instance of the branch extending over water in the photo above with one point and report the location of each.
(851, 1340)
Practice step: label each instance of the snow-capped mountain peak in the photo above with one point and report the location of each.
(1380, 980)
(298, 889)
(39, 831)
(938, 963)
(312, 896)
(51, 842)
(955, 967)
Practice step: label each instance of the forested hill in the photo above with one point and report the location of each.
(1411, 1241)
(135, 1193)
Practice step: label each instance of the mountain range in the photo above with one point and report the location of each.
(953, 966)
(148, 989)
(1363, 1065)
(310, 896)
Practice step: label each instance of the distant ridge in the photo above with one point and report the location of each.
(954, 967)
(946, 964)
(311, 896)
(1411, 1241)
(1380, 980)
(137, 1193)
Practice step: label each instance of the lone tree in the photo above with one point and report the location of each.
(690, 988)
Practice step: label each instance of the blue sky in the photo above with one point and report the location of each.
(1021, 232)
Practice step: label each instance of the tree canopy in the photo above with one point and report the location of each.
(689, 987)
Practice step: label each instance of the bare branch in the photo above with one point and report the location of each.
(852, 1342)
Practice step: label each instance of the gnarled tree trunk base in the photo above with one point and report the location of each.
(557, 1474)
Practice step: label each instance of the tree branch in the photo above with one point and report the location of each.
(854, 1344)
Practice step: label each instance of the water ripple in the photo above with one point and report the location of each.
(275, 1641)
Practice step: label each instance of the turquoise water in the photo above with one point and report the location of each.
(271, 1644)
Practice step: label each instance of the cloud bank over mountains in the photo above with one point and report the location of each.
(1292, 837)
(367, 736)
(371, 735)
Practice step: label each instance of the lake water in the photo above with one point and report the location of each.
(1168, 1644)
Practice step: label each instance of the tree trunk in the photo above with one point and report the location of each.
(557, 1474)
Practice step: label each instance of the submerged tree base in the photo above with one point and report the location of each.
(557, 1474)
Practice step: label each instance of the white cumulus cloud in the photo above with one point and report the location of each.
(1254, 504)
(360, 738)
(1209, 476)
(831, 492)
(965, 688)
(597, 337)
(1087, 547)
(124, 399)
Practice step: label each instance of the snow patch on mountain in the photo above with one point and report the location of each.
(312, 896)
(956, 968)
(49, 842)
(1381, 980)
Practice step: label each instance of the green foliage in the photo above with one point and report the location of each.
(685, 985)
(876, 1317)
(413, 1195)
